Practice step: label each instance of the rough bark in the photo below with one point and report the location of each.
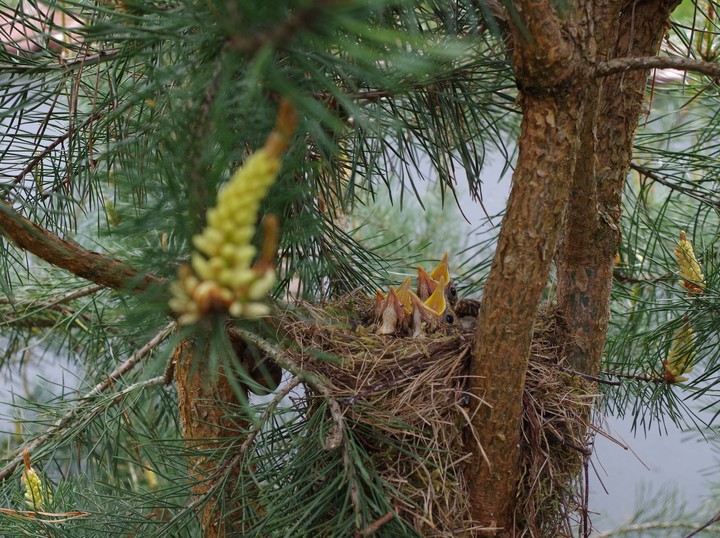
(211, 423)
(585, 257)
(93, 266)
(551, 69)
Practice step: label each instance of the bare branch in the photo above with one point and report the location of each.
(650, 174)
(618, 65)
(99, 268)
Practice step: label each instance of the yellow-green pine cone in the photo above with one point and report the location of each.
(691, 275)
(225, 241)
(221, 274)
(682, 353)
(37, 497)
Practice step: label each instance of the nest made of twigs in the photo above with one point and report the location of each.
(412, 390)
(557, 436)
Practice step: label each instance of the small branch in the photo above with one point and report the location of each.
(336, 438)
(645, 378)
(82, 292)
(84, 402)
(55, 143)
(232, 463)
(99, 268)
(375, 525)
(712, 521)
(590, 377)
(623, 278)
(32, 319)
(287, 389)
(618, 65)
(333, 439)
(650, 174)
(77, 294)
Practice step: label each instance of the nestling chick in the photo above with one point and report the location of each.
(432, 314)
(426, 281)
(390, 312)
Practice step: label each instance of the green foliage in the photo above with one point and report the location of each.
(120, 139)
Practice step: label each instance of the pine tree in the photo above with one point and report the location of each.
(183, 186)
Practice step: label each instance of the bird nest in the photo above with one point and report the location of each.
(405, 399)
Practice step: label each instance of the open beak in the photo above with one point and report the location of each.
(403, 295)
(443, 271)
(436, 302)
(426, 284)
(428, 313)
(392, 313)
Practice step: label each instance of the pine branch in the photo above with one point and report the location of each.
(38, 158)
(618, 65)
(28, 318)
(711, 521)
(99, 268)
(71, 416)
(674, 186)
(77, 294)
(335, 438)
(283, 31)
(80, 62)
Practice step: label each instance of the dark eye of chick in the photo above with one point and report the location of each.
(453, 291)
(449, 318)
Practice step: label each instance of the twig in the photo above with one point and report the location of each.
(55, 143)
(712, 521)
(26, 320)
(375, 525)
(650, 174)
(99, 268)
(77, 294)
(335, 437)
(590, 377)
(287, 389)
(87, 399)
(230, 464)
(627, 279)
(617, 65)
(82, 292)
(647, 378)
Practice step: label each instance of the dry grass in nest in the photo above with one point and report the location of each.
(411, 391)
(556, 436)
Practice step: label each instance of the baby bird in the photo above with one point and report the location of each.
(431, 314)
(427, 281)
(390, 312)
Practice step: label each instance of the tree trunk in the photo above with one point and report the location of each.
(574, 151)
(209, 410)
(551, 72)
(585, 258)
